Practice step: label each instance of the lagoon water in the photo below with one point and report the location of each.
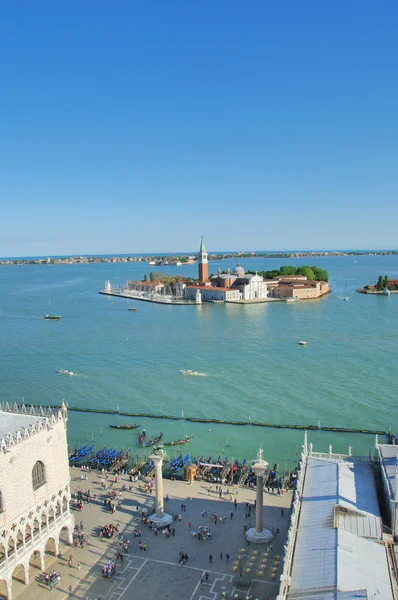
(346, 376)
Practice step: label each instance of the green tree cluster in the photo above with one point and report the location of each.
(312, 273)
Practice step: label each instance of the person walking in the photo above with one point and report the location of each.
(70, 588)
(227, 556)
(210, 558)
(221, 555)
(78, 566)
(235, 504)
(231, 514)
(144, 547)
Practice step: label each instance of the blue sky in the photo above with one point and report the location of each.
(140, 126)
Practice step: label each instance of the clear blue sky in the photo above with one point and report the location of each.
(139, 126)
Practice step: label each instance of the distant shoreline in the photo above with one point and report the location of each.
(160, 259)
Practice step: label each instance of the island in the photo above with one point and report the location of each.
(288, 283)
(384, 286)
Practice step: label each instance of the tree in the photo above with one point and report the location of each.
(307, 271)
(145, 278)
(380, 283)
(287, 270)
(155, 276)
(320, 274)
(386, 282)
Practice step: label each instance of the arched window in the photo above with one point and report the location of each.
(38, 475)
(2, 503)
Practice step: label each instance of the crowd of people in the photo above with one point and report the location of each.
(109, 569)
(108, 531)
(53, 579)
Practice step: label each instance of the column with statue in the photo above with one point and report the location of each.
(257, 534)
(159, 517)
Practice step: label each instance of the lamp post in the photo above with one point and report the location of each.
(257, 534)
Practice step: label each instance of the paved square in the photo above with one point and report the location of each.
(156, 574)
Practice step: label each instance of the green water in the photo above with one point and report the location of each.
(344, 377)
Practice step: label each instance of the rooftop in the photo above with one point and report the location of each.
(389, 456)
(334, 549)
(11, 423)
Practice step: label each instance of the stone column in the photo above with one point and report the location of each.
(9, 590)
(259, 502)
(257, 534)
(159, 517)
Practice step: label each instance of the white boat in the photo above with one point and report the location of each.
(346, 298)
(188, 372)
(386, 292)
(65, 372)
(292, 299)
(302, 343)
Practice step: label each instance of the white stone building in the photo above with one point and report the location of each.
(388, 456)
(34, 490)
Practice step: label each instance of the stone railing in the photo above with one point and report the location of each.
(292, 532)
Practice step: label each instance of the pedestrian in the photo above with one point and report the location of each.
(207, 576)
(140, 545)
(144, 547)
(282, 512)
(70, 588)
(231, 514)
(227, 556)
(221, 555)
(78, 566)
(173, 531)
(235, 504)
(189, 525)
(210, 559)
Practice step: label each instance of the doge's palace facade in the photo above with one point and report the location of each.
(34, 488)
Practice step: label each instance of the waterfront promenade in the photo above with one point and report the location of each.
(156, 573)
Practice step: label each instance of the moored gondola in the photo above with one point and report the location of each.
(153, 441)
(179, 442)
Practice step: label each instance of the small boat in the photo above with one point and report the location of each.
(302, 343)
(188, 372)
(52, 318)
(153, 441)
(346, 298)
(134, 426)
(179, 442)
(386, 292)
(65, 372)
(133, 309)
(292, 299)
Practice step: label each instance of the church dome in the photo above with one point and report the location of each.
(239, 271)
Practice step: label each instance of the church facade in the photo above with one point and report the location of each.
(34, 490)
(226, 287)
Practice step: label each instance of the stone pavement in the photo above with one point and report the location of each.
(156, 573)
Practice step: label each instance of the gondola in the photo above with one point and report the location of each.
(134, 426)
(153, 441)
(179, 442)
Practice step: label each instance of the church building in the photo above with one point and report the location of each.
(227, 287)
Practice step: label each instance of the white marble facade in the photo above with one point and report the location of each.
(34, 488)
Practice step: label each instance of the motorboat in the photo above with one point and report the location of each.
(133, 309)
(52, 318)
(302, 343)
(65, 372)
(292, 299)
(188, 372)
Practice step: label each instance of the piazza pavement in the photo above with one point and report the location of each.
(156, 574)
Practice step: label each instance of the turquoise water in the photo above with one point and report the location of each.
(344, 377)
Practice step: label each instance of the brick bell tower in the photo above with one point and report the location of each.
(203, 265)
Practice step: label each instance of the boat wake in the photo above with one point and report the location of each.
(192, 373)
